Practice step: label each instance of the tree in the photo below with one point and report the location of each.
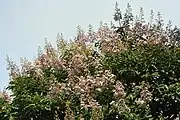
(101, 75)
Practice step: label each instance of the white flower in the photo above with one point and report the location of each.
(99, 89)
(112, 102)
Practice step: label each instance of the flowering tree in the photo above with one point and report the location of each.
(130, 71)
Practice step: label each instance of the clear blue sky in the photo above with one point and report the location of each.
(25, 23)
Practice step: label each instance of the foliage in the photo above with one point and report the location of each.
(155, 66)
(127, 74)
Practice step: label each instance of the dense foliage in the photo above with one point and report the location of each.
(129, 72)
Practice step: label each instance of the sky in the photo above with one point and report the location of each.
(24, 24)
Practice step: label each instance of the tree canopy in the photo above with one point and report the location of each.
(125, 72)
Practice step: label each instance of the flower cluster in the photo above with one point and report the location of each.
(4, 96)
